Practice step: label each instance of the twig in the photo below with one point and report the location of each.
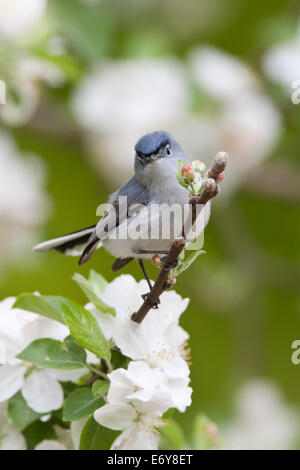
(162, 283)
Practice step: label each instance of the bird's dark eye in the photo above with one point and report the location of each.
(168, 150)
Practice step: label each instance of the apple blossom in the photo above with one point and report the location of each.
(18, 329)
(159, 347)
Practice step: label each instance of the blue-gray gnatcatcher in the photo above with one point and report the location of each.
(129, 234)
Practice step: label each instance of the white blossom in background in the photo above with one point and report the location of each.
(245, 122)
(23, 72)
(121, 100)
(24, 205)
(18, 328)
(25, 75)
(157, 378)
(221, 75)
(249, 128)
(17, 17)
(263, 419)
(281, 63)
(10, 437)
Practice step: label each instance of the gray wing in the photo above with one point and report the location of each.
(136, 193)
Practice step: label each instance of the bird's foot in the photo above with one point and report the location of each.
(155, 304)
(169, 266)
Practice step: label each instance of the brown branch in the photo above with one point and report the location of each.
(162, 283)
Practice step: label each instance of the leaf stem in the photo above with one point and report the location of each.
(97, 371)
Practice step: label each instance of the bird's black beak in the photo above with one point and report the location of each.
(146, 159)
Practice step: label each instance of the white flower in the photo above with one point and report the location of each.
(18, 16)
(121, 95)
(246, 123)
(157, 379)
(137, 398)
(249, 129)
(162, 346)
(264, 420)
(23, 203)
(122, 100)
(281, 62)
(18, 329)
(25, 74)
(49, 444)
(148, 389)
(10, 437)
(139, 429)
(221, 75)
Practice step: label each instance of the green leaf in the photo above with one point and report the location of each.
(118, 360)
(54, 354)
(82, 402)
(84, 328)
(20, 413)
(46, 305)
(92, 290)
(37, 432)
(96, 437)
(99, 388)
(68, 388)
(98, 281)
(189, 257)
(71, 68)
(86, 29)
(57, 418)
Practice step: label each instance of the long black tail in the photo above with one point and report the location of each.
(72, 244)
(82, 243)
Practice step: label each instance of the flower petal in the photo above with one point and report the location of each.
(120, 386)
(11, 380)
(67, 375)
(48, 444)
(136, 437)
(115, 416)
(14, 440)
(42, 392)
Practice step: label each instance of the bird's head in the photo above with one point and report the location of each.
(155, 146)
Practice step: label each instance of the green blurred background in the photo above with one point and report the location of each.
(244, 310)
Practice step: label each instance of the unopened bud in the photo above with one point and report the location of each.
(178, 241)
(156, 261)
(198, 166)
(188, 172)
(220, 178)
(170, 281)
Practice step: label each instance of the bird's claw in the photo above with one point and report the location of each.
(155, 304)
(169, 266)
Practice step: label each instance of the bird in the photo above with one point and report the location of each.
(137, 234)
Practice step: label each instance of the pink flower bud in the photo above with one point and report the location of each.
(156, 261)
(220, 178)
(188, 172)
